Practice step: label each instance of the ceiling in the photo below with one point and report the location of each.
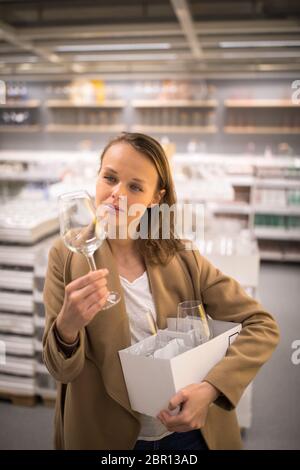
(150, 38)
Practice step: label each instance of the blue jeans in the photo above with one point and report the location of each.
(191, 440)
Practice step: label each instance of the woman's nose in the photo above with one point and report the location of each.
(118, 191)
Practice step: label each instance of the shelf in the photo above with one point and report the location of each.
(263, 183)
(271, 255)
(277, 234)
(247, 209)
(16, 302)
(245, 181)
(20, 128)
(248, 163)
(243, 209)
(263, 103)
(174, 103)
(16, 324)
(46, 393)
(19, 346)
(261, 130)
(16, 279)
(23, 386)
(176, 129)
(277, 211)
(277, 183)
(279, 256)
(84, 128)
(14, 255)
(21, 104)
(30, 178)
(44, 156)
(70, 104)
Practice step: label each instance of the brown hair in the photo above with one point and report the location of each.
(160, 250)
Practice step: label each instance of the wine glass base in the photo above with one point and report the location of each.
(111, 300)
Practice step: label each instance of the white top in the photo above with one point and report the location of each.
(139, 301)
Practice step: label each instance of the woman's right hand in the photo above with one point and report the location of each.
(84, 297)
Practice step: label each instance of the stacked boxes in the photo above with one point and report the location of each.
(25, 229)
(45, 384)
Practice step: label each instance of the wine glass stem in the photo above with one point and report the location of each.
(91, 261)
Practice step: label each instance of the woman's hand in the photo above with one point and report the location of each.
(84, 297)
(194, 401)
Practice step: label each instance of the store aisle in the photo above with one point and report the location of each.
(275, 417)
(25, 427)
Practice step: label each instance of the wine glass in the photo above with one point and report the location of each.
(82, 230)
(191, 316)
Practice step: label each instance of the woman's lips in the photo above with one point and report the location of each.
(111, 207)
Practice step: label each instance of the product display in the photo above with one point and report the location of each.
(27, 221)
(263, 196)
(23, 224)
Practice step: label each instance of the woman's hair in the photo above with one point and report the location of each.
(155, 250)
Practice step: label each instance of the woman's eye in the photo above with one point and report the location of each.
(134, 187)
(111, 179)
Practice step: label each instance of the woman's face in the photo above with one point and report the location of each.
(127, 172)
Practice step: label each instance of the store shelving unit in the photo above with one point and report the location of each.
(63, 104)
(260, 130)
(45, 384)
(175, 116)
(20, 128)
(275, 225)
(174, 103)
(259, 103)
(21, 243)
(68, 116)
(266, 233)
(175, 129)
(65, 128)
(17, 106)
(243, 113)
(20, 104)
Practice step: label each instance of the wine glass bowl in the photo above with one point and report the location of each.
(191, 316)
(82, 230)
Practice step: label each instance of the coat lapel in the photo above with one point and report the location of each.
(108, 332)
(169, 285)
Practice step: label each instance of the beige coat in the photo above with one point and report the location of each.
(92, 408)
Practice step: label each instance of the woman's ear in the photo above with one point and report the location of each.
(157, 198)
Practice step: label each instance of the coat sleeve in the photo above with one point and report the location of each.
(224, 299)
(64, 369)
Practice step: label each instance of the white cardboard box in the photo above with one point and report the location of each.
(152, 382)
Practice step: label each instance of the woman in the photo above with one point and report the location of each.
(81, 342)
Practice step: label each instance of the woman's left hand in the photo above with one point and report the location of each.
(194, 401)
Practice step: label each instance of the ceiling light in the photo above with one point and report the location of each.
(25, 66)
(122, 57)
(78, 68)
(54, 58)
(18, 58)
(260, 55)
(111, 47)
(234, 44)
